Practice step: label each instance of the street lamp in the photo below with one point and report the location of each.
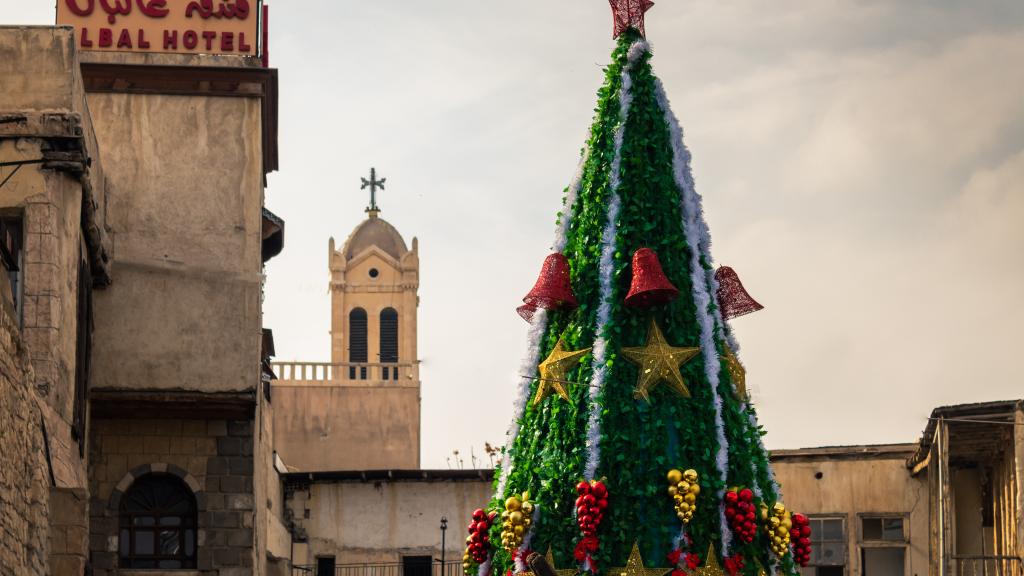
(444, 528)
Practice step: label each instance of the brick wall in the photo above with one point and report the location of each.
(24, 476)
(215, 459)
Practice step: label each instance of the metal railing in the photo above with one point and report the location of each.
(344, 372)
(394, 569)
(989, 565)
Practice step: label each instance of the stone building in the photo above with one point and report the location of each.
(949, 504)
(131, 345)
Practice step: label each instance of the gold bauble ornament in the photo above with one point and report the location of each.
(672, 490)
(674, 476)
(516, 517)
(518, 530)
(690, 475)
(695, 489)
(635, 566)
(512, 504)
(554, 370)
(527, 508)
(779, 508)
(659, 362)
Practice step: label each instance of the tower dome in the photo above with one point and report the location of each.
(375, 231)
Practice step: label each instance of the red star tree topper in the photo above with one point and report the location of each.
(629, 14)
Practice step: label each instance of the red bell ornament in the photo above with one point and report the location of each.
(553, 289)
(650, 286)
(732, 297)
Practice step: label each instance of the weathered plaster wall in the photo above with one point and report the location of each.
(24, 478)
(335, 427)
(850, 487)
(215, 458)
(184, 190)
(379, 522)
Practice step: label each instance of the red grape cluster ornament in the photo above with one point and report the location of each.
(515, 520)
(590, 507)
(740, 513)
(777, 524)
(800, 534)
(684, 489)
(478, 542)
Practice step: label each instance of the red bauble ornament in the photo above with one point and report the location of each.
(801, 539)
(479, 540)
(739, 514)
(553, 289)
(650, 286)
(629, 14)
(732, 297)
(590, 507)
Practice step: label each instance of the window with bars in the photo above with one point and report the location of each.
(828, 547)
(389, 342)
(158, 524)
(12, 251)
(357, 343)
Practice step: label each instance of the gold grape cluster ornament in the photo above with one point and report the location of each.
(777, 524)
(683, 488)
(515, 521)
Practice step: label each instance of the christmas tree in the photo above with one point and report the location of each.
(634, 445)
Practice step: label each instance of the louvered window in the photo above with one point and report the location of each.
(357, 352)
(389, 342)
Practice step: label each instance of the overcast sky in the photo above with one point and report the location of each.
(861, 162)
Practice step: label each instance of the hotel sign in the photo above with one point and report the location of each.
(177, 26)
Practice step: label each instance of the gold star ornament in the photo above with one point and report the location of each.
(659, 362)
(553, 371)
(635, 566)
(551, 562)
(711, 566)
(737, 373)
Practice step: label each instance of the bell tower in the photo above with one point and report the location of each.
(374, 285)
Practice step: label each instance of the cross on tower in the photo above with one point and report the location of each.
(373, 184)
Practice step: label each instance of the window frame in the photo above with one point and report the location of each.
(15, 276)
(845, 519)
(131, 559)
(903, 543)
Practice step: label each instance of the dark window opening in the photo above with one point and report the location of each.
(12, 252)
(158, 524)
(416, 565)
(83, 349)
(389, 339)
(325, 566)
(883, 529)
(357, 342)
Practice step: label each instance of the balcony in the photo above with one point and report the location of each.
(346, 373)
(990, 565)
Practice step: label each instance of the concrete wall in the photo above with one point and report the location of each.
(185, 189)
(379, 522)
(214, 457)
(24, 479)
(850, 487)
(335, 427)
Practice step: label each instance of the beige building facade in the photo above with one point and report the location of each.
(134, 238)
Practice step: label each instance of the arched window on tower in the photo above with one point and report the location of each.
(389, 343)
(357, 343)
(158, 524)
